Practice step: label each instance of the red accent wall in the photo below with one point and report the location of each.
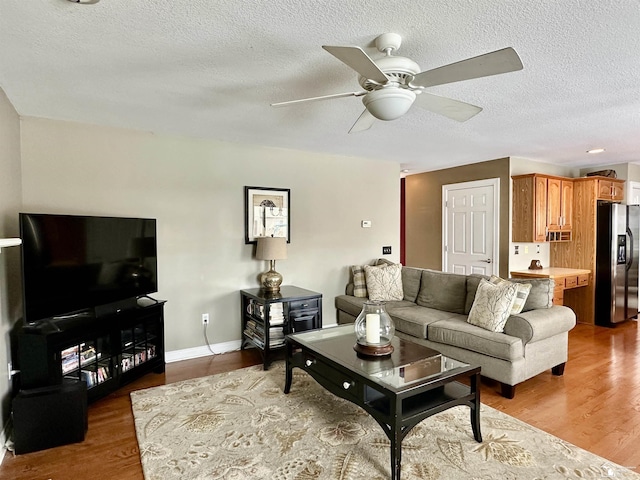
(402, 213)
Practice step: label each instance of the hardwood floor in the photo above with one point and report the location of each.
(595, 405)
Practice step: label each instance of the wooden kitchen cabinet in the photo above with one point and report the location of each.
(581, 252)
(610, 189)
(566, 205)
(542, 208)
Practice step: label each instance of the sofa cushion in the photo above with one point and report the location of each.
(522, 293)
(383, 262)
(411, 282)
(353, 305)
(492, 305)
(541, 293)
(443, 291)
(457, 332)
(384, 283)
(414, 319)
(473, 280)
(359, 281)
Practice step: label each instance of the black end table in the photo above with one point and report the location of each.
(266, 317)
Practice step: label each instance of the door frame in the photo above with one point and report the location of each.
(489, 182)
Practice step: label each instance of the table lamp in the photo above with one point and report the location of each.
(272, 249)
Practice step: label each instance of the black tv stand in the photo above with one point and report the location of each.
(105, 351)
(146, 300)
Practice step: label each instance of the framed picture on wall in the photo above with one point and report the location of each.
(267, 213)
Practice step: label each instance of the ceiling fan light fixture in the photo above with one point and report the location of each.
(388, 103)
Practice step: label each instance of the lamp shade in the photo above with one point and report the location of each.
(271, 248)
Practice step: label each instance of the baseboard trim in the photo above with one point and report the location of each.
(197, 352)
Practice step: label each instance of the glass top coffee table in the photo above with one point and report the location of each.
(398, 391)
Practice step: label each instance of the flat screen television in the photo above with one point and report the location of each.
(73, 264)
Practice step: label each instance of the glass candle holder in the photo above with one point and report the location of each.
(374, 330)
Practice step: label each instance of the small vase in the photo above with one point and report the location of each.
(374, 330)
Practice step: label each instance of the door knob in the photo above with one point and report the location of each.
(488, 260)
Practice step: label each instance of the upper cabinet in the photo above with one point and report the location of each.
(559, 204)
(610, 189)
(542, 208)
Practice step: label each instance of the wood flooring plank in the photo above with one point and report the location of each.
(594, 405)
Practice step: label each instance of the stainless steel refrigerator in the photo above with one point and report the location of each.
(618, 239)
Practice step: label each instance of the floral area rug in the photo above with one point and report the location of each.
(240, 425)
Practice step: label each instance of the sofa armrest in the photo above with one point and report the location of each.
(541, 323)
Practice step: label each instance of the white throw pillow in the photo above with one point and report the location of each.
(492, 305)
(521, 295)
(384, 283)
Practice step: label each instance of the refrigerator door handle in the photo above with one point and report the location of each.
(630, 258)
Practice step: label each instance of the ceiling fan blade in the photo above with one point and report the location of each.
(448, 107)
(315, 99)
(365, 122)
(494, 63)
(357, 59)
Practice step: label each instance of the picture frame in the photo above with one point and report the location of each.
(267, 213)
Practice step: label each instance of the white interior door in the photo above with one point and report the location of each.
(470, 227)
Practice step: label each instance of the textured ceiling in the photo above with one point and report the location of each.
(210, 68)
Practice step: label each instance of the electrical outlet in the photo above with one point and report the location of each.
(526, 249)
(386, 250)
(205, 319)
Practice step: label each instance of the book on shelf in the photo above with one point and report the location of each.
(126, 363)
(276, 340)
(87, 354)
(140, 355)
(95, 377)
(256, 309)
(69, 359)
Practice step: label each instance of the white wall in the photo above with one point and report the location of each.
(10, 185)
(195, 189)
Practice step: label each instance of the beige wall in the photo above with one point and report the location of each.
(423, 224)
(195, 190)
(9, 257)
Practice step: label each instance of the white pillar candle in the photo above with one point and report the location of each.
(372, 323)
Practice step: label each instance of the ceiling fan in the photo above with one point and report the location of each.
(393, 83)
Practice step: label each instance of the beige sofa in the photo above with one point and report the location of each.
(434, 313)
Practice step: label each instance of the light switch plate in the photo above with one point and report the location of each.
(366, 224)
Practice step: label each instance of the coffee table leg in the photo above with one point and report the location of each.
(396, 452)
(288, 369)
(475, 408)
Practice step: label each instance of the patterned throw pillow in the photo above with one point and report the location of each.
(521, 295)
(492, 305)
(359, 282)
(384, 283)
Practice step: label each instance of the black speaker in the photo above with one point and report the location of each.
(49, 416)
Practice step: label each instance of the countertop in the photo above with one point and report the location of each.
(551, 272)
